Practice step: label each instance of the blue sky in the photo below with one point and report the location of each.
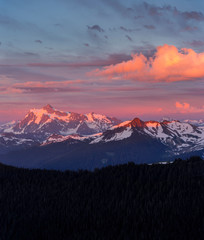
(49, 47)
(59, 28)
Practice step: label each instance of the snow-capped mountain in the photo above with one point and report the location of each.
(41, 123)
(10, 141)
(63, 146)
(199, 123)
(179, 137)
(7, 126)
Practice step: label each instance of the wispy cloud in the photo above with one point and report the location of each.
(41, 87)
(195, 43)
(38, 41)
(95, 28)
(189, 29)
(187, 108)
(112, 58)
(126, 29)
(31, 54)
(129, 38)
(154, 10)
(198, 16)
(149, 27)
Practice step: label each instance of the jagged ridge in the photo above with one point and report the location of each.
(41, 123)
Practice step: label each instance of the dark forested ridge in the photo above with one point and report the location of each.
(117, 202)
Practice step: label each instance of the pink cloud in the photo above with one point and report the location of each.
(168, 64)
(187, 108)
(10, 90)
(182, 105)
(37, 86)
(46, 84)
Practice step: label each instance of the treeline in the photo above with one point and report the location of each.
(124, 202)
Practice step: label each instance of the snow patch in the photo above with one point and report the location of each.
(116, 137)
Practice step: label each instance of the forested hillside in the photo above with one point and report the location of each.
(117, 202)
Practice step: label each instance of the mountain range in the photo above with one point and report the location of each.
(53, 139)
(39, 124)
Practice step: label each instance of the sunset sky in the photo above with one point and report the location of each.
(121, 58)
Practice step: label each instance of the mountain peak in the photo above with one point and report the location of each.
(136, 122)
(48, 108)
(47, 120)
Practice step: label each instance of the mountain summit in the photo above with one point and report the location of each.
(41, 123)
(48, 108)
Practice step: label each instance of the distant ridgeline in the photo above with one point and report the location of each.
(117, 202)
(52, 139)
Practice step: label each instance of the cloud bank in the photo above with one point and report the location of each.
(168, 64)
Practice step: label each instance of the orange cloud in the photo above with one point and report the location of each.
(168, 64)
(186, 108)
(182, 106)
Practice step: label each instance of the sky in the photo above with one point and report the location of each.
(120, 58)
